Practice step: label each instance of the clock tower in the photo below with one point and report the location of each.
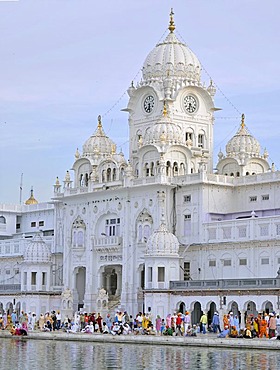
(171, 113)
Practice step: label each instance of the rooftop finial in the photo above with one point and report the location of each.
(99, 121)
(31, 199)
(171, 22)
(243, 120)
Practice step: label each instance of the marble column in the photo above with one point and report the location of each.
(242, 319)
(119, 280)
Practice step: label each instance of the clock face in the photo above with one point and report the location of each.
(190, 103)
(149, 104)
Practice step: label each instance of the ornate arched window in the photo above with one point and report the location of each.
(108, 174)
(146, 169)
(152, 169)
(182, 169)
(175, 169)
(2, 220)
(86, 179)
(114, 177)
(168, 168)
(144, 225)
(80, 238)
(78, 233)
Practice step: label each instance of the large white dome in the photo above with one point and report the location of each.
(172, 57)
(37, 251)
(162, 242)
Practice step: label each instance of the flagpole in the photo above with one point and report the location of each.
(20, 189)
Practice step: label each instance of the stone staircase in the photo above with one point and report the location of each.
(114, 303)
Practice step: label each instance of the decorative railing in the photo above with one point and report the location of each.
(10, 288)
(226, 284)
(16, 247)
(254, 228)
(107, 241)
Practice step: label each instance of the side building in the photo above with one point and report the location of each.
(30, 264)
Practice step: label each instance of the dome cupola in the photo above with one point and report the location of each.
(31, 199)
(164, 131)
(162, 242)
(37, 251)
(99, 143)
(172, 58)
(243, 142)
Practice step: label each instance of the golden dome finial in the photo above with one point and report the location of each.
(243, 120)
(164, 112)
(171, 22)
(99, 122)
(31, 199)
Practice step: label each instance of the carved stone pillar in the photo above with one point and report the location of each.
(242, 319)
(108, 283)
(119, 280)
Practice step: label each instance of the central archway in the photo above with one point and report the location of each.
(210, 313)
(196, 313)
(81, 286)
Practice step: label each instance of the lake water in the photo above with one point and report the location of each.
(48, 354)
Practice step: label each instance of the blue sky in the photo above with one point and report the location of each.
(64, 62)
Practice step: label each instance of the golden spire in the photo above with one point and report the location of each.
(171, 22)
(243, 120)
(164, 112)
(99, 122)
(31, 199)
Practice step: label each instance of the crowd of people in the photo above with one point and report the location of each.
(24, 322)
(261, 326)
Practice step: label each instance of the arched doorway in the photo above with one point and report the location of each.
(9, 308)
(182, 308)
(111, 280)
(196, 313)
(81, 286)
(268, 308)
(251, 310)
(1, 308)
(210, 313)
(114, 282)
(18, 307)
(234, 308)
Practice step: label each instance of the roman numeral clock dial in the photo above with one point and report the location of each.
(149, 103)
(190, 104)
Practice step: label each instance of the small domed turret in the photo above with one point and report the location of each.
(164, 131)
(37, 251)
(243, 142)
(99, 143)
(162, 242)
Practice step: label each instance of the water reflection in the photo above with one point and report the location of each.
(46, 354)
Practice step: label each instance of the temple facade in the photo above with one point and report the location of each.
(161, 231)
